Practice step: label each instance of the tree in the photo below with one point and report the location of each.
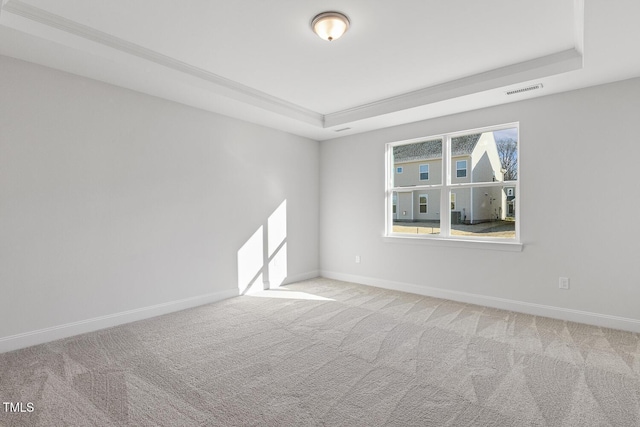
(508, 152)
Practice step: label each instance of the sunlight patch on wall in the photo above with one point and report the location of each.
(277, 228)
(278, 267)
(277, 245)
(262, 260)
(256, 286)
(250, 262)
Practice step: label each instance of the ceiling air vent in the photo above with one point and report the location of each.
(342, 130)
(524, 89)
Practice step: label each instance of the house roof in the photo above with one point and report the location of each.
(460, 146)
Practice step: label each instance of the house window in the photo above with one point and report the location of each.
(461, 168)
(424, 172)
(484, 203)
(423, 203)
(399, 169)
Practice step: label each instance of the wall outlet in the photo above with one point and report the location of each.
(357, 259)
(563, 283)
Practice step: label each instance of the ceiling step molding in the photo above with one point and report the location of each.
(561, 62)
(225, 86)
(239, 100)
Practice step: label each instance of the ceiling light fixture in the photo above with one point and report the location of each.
(330, 25)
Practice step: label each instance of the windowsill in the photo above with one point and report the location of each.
(453, 242)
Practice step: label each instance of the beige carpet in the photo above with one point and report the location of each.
(327, 353)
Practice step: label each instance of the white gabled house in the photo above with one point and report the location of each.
(474, 158)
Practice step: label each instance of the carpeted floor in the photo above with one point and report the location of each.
(323, 352)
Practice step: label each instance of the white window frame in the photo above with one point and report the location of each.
(420, 172)
(445, 238)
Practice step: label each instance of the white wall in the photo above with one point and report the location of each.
(111, 201)
(579, 208)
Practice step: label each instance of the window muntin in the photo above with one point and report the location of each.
(408, 222)
(471, 178)
(424, 172)
(405, 155)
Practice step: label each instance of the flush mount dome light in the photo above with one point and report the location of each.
(330, 25)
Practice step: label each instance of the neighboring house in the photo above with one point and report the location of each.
(474, 158)
(511, 201)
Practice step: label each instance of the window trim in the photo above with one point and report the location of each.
(446, 186)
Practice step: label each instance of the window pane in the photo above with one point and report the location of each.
(418, 212)
(507, 147)
(486, 162)
(411, 157)
(490, 156)
(484, 212)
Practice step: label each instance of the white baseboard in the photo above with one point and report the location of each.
(590, 318)
(40, 336)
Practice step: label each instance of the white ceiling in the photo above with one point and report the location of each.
(399, 62)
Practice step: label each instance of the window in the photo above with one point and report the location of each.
(423, 202)
(424, 172)
(481, 207)
(399, 169)
(461, 168)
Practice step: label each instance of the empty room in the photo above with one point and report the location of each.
(319, 213)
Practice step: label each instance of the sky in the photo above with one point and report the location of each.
(506, 134)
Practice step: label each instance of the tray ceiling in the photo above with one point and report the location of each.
(259, 61)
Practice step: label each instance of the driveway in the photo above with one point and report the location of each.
(500, 229)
